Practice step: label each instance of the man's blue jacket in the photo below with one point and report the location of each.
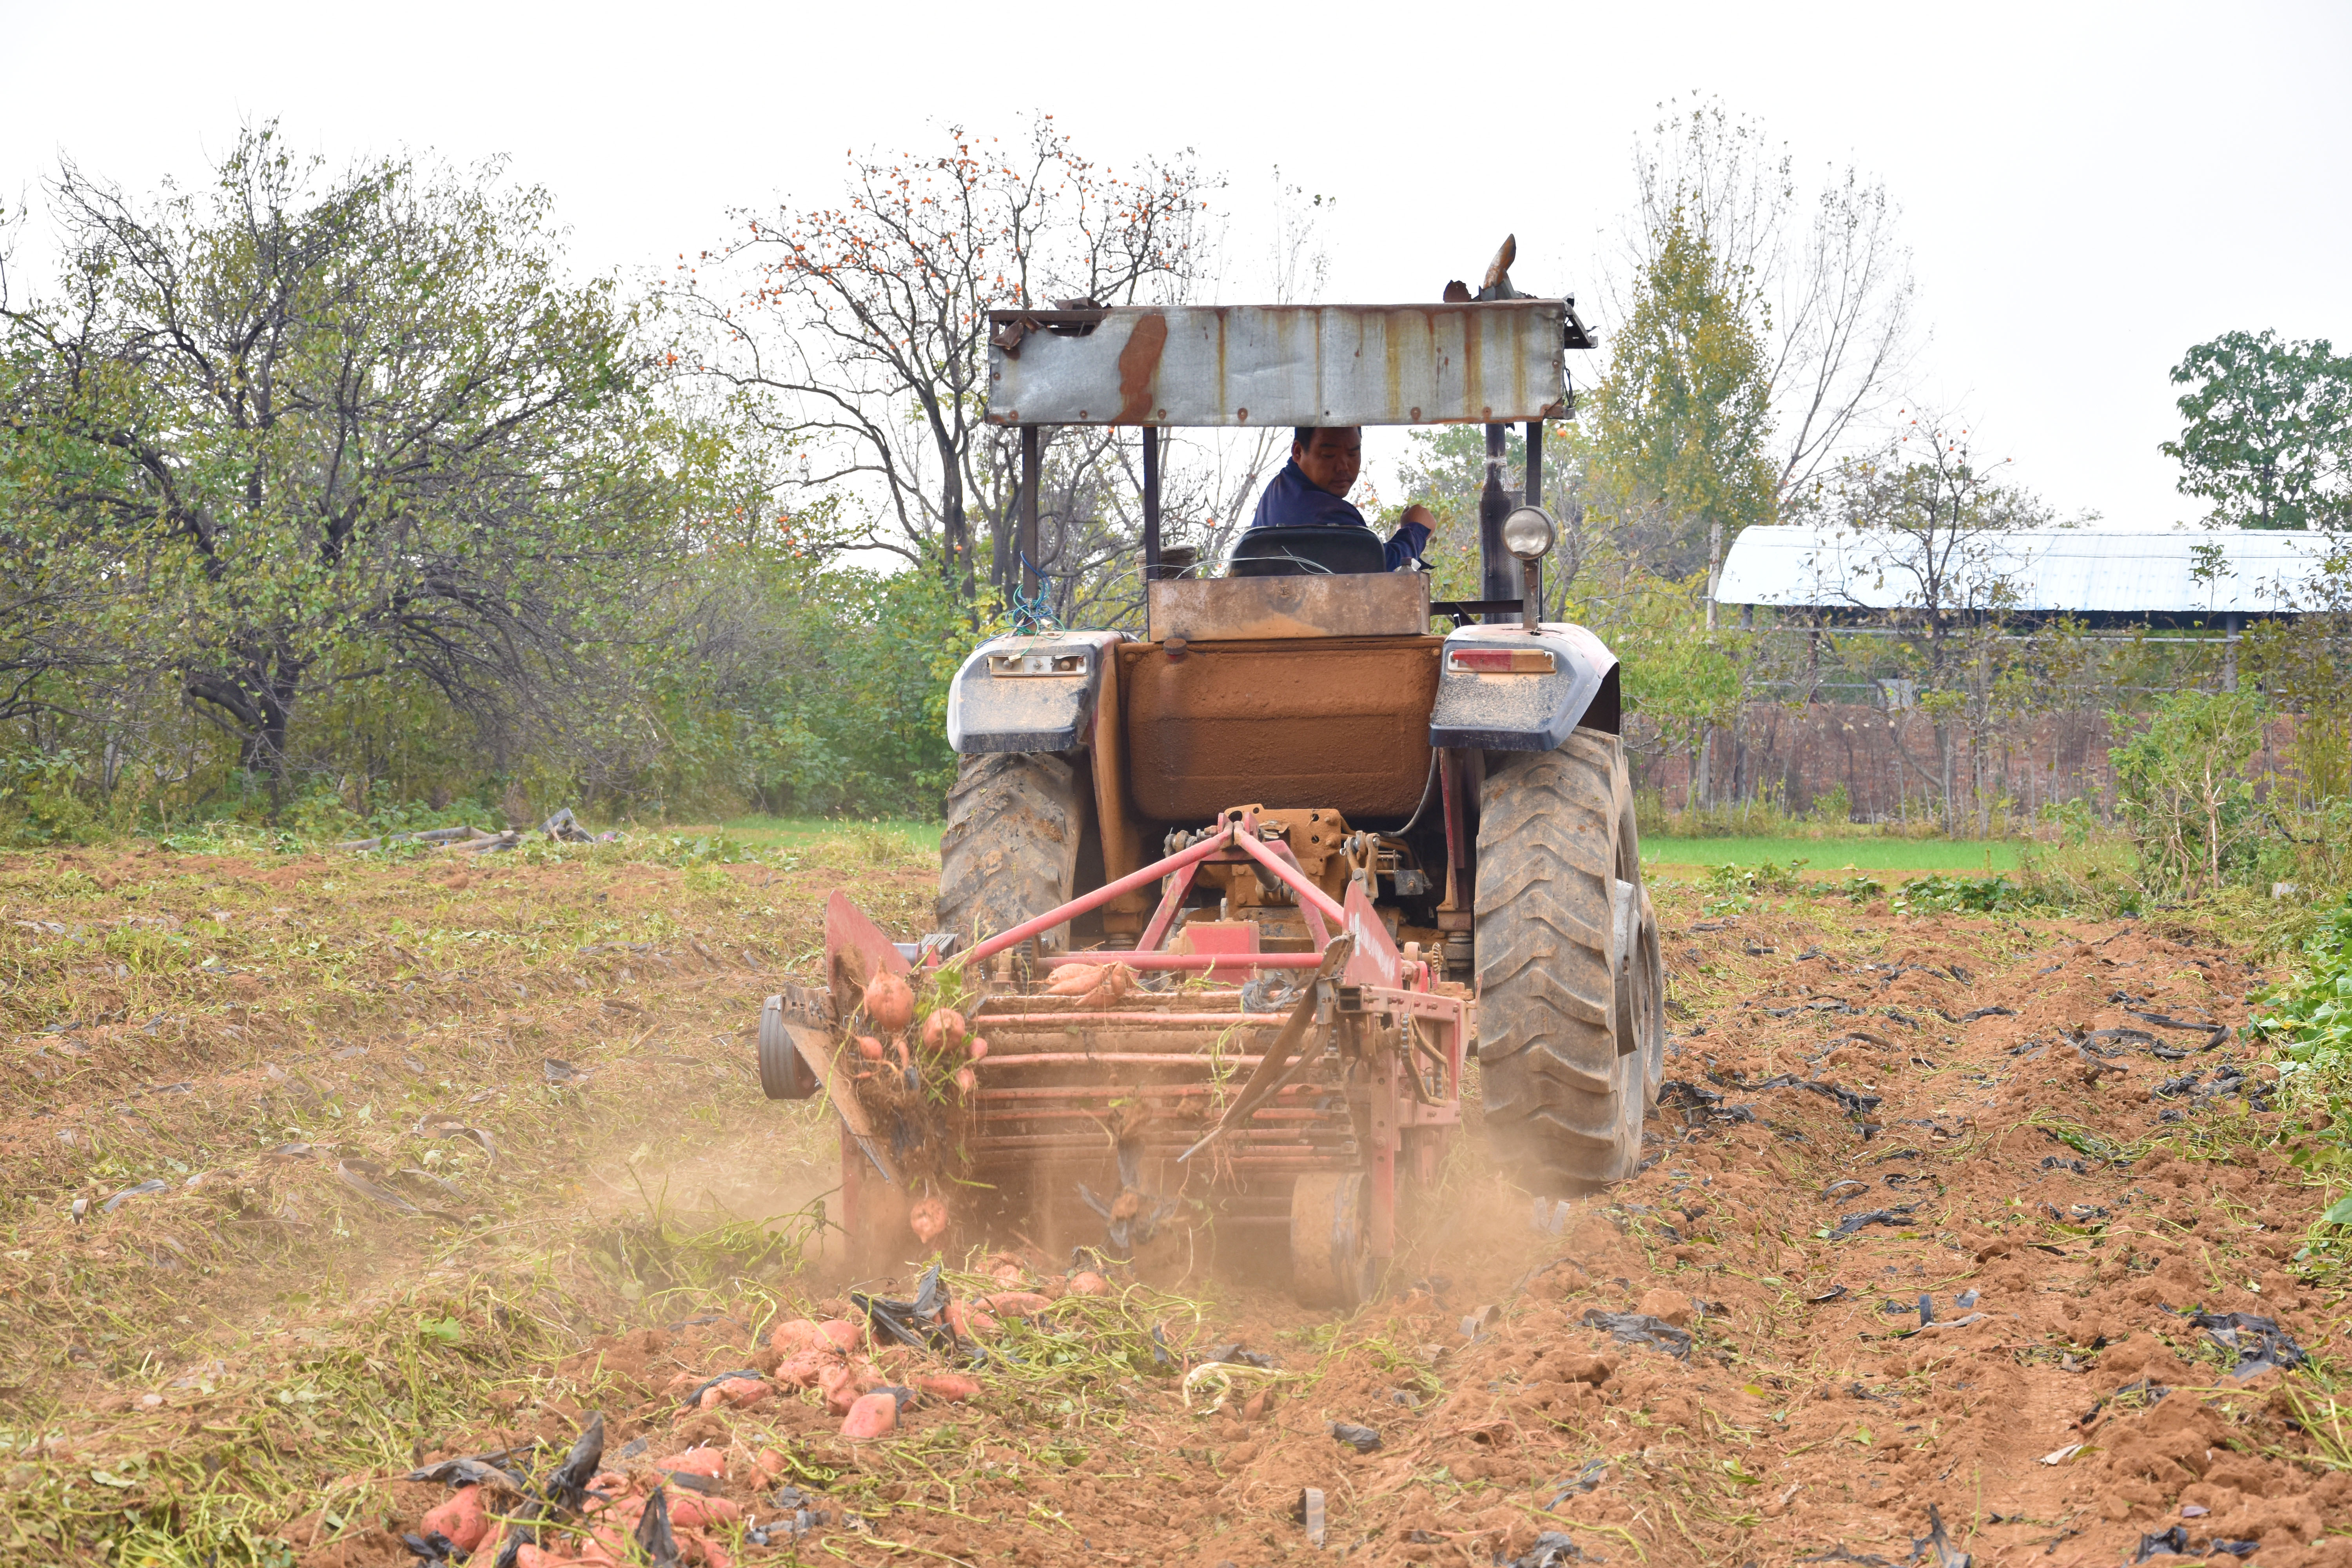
(1293, 499)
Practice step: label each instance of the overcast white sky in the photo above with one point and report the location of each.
(2087, 189)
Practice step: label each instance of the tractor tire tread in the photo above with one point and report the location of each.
(1010, 850)
(1555, 1088)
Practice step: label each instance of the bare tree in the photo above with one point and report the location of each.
(865, 325)
(1824, 277)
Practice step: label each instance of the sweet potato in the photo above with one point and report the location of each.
(1086, 1282)
(740, 1393)
(770, 1464)
(929, 1217)
(942, 1031)
(796, 1334)
(847, 1336)
(869, 1047)
(978, 1048)
(952, 1386)
(1016, 1303)
(890, 1002)
(800, 1369)
(969, 1321)
(843, 1384)
(1074, 979)
(709, 1463)
(967, 1083)
(1096, 984)
(870, 1417)
(462, 1519)
(689, 1510)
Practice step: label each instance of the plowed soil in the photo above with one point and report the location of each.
(1911, 1273)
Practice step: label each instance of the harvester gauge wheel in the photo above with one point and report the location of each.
(783, 1075)
(1650, 1003)
(1331, 1262)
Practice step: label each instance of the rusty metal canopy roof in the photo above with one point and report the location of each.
(1283, 364)
(2072, 570)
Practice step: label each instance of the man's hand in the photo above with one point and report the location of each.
(1422, 515)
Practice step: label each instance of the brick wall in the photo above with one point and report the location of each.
(1797, 754)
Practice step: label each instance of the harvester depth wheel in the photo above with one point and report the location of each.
(783, 1075)
(1567, 1006)
(1331, 1261)
(1009, 851)
(1649, 970)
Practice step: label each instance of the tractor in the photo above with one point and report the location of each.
(1308, 857)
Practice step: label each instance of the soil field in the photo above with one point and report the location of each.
(324, 1170)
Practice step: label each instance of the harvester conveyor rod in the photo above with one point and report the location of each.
(1002, 1021)
(1140, 1058)
(1096, 1091)
(1204, 961)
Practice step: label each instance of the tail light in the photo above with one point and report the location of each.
(1501, 661)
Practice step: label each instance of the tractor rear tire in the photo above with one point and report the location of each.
(1010, 852)
(1569, 1043)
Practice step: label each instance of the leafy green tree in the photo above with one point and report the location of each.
(1444, 469)
(2267, 431)
(1685, 418)
(2306, 666)
(315, 432)
(2182, 793)
(1682, 681)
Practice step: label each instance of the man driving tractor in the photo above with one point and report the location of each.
(1312, 490)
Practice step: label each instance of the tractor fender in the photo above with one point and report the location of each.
(1527, 704)
(1036, 693)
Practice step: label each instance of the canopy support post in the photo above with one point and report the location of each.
(1027, 535)
(1151, 503)
(1498, 576)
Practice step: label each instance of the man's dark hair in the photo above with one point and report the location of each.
(1303, 435)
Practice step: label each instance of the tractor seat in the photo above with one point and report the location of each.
(1306, 550)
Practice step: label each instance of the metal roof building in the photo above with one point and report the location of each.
(2096, 574)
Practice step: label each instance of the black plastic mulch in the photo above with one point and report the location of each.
(1897, 1216)
(2261, 1345)
(1641, 1329)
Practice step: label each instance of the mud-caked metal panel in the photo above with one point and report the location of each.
(1289, 365)
(1339, 721)
(1028, 693)
(1503, 688)
(1364, 604)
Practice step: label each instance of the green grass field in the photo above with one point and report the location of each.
(1832, 854)
(1824, 855)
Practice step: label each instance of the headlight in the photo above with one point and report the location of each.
(1529, 533)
